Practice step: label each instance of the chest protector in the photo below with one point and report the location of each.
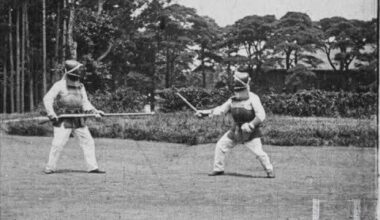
(242, 112)
(70, 101)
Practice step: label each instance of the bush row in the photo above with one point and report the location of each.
(302, 103)
(183, 127)
(123, 99)
(322, 103)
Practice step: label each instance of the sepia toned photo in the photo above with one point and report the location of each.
(189, 109)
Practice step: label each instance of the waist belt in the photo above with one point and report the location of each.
(70, 122)
(238, 135)
(70, 111)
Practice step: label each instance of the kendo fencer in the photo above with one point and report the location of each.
(247, 114)
(69, 96)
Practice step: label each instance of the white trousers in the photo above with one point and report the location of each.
(225, 144)
(62, 135)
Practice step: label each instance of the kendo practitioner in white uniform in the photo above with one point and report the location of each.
(248, 114)
(69, 96)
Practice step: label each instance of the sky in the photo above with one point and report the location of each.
(226, 12)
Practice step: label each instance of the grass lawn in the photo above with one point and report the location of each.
(150, 180)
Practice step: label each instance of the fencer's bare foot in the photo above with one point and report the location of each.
(97, 171)
(216, 173)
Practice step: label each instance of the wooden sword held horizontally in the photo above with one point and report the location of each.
(103, 115)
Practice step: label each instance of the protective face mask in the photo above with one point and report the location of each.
(72, 77)
(241, 95)
(240, 84)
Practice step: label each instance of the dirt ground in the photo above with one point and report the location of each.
(148, 180)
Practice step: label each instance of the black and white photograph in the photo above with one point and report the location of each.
(189, 110)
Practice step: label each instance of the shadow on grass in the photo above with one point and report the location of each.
(238, 175)
(70, 171)
(244, 175)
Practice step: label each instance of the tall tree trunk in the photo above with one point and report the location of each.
(64, 34)
(167, 73)
(152, 88)
(70, 38)
(153, 79)
(229, 72)
(18, 78)
(29, 66)
(348, 62)
(12, 96)
(24, 8)
(341, 67)
(287, 58)
(5, 85)
(328, 54)
(100, 7)
(44, 86)
(343, 52)
(203, 68)
(37, 85)
(57, 39)
(171, 72)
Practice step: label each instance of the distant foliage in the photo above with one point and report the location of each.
(123, 99)
(322, 103)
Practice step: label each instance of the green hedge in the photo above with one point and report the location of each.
(123, 99)
(183, 127)
(303, 103)
(322, 103)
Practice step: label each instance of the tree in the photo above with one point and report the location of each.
(229, 54)
(23, 42)
(253, 33)
(18, 74)
(368, 58)
(294, 37)
(57, 40)
(28, 55)
(347, 36)
(5, 86)
(105, 41)
(11, 86)
(64, 31)
(148, 42)
(176, 23)
(70, 28)
(4, 31)
(44, 85)
(207, 33)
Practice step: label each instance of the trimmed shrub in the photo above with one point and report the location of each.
(123, 99)
(183, 127)
(29, 128)
(303, 103)
(322, 103)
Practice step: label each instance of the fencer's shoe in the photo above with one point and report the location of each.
(48, 171)
(216, 173)
(97, 171)
(270, 174)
